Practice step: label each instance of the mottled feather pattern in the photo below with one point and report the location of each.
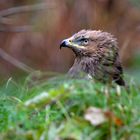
(98, 56)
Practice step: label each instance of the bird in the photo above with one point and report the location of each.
(96, 56)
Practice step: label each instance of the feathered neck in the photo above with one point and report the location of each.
(83, 66)
(87, 64)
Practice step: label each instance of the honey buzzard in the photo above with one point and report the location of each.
(96, 56)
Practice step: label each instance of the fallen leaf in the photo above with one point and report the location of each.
(111, 117)
(95, 116)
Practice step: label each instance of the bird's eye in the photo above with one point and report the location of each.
(85, 41)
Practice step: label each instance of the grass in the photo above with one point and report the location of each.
(54, 109)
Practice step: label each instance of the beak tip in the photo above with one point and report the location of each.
(64, 43)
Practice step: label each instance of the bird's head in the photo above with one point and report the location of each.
(90, 43)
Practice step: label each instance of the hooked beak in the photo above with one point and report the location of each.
(65, 43)
(68, 43)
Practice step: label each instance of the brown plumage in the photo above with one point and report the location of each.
(96, 56)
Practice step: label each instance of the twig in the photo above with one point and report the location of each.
(124, 47)
(24, 28)
(26, 8)
(15, 62)
(18, 10)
